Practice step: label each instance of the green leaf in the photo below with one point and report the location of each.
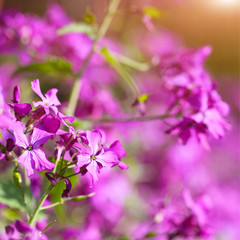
(10, 214)
(53, 66)
(89, 18)
(56, 196)
(143, 98)
(150, 235)
(152, 12)
(48, 226)
(77, 28)
(10, 195)
(120, 70)
(110, 59)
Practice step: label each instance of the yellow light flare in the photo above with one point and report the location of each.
(227, 2)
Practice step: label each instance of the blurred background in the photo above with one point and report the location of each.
(196, 22)
(161, 166)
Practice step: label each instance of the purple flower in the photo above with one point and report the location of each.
(214, 121)
(51, 124)
(54, 180)
(33, 157)
(23, 227)
(121, 153)
(16, 94)
(49, 99)
(187, 127)
(94, 156)
(29, 232)
(20, 109)
(49, 103)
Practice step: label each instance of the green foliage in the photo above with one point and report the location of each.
(78, 28)
(106, 54)
(10, 214)
(152, 12)
(53, 66)
(150, 235)
(89, 18)
(120, 70)
(10, 195)
(56, 195)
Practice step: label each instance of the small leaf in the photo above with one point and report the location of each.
(143, 98)
(82, 197)
(54, 66)
(89, 18)
(48, 226)
(152, 12)
(120, 70)
(77, 28)
(10, 214)
(150, 235)
(110, 59)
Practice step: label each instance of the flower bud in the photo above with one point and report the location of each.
(17, 177)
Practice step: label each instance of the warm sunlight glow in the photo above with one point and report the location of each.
(226, 2)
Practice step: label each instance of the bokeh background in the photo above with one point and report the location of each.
(197, 22)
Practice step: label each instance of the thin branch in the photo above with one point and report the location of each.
(63, 200)
(130, 119)
(101, 32)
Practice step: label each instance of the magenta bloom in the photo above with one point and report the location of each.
(94, 156)
(20, 109)
(49, 100)
(33, 157)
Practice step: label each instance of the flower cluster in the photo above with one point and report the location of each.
(171, 191)
(43, 124)
(195, 96)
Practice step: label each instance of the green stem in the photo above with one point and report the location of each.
(23, 198)
(63, 200)
(34, 216)
(140, 66)
(101, 32)
(57, 161)
(74, 174)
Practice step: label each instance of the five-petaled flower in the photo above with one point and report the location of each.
(94, 157)
(33, 157)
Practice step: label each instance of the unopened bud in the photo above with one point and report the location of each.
(17, 177)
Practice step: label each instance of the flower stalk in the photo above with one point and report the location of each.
(101, 32)
(35, 214)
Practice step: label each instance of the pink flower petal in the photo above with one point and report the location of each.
(40, 160)
(21, 138)
(51, 96)
(108, 159)
(94, 137)
(93, 170)
(36, 88)
(39, 137)
(26, 161)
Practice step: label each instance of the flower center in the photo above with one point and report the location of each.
(93, 157)
(29, 148)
